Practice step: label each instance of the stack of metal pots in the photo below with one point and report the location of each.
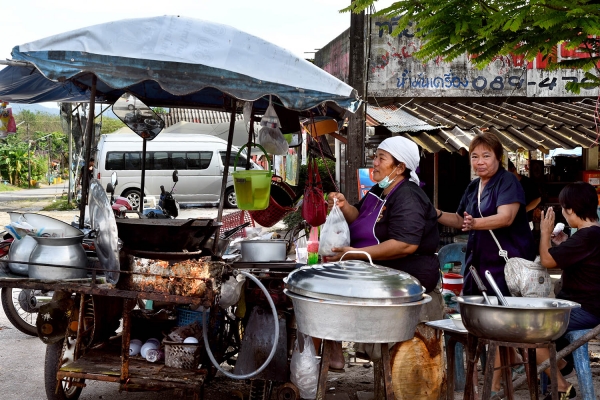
(356, 301)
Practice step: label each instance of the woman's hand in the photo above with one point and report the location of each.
(547, 223)
(341, 200)
(339, 252)
(468, 222)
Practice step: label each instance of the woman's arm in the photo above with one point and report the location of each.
(504, 217)
(388, 250)
(449, 219)
(350, 212)
(546, 228)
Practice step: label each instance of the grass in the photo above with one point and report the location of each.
(8, 188)
(61, 204)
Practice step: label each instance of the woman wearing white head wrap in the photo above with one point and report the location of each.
(395, 221)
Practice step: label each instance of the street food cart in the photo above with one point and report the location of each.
(177, 62)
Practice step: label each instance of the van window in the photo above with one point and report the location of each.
(241, 159)
(158, 160)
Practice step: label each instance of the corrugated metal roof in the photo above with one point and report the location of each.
(396, 120)
(198, 116)
(537, 125)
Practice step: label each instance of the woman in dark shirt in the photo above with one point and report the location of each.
(579, 259)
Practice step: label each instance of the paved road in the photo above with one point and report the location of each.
(47, 191)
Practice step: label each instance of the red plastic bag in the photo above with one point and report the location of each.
(314, 206)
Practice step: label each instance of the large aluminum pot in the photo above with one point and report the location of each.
(66, 251)
(362, 322)
(526, 319)
(20, 250)
(263, 250)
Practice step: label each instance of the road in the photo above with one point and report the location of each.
(44, 192)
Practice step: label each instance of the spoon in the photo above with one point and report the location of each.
(480, 284)
(490, 279)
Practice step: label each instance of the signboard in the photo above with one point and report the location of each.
(395, 72)
(365, 181)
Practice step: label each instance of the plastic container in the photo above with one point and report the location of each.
(182, 355)
(186, 317)
(453, 282)
(252, 187)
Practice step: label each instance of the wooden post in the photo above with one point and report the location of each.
(85, 179)
(355, 157)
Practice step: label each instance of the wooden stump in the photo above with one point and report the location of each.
(419, 366)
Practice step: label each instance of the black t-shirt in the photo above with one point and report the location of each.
(531, 193)
(408, 216)
(579, 258)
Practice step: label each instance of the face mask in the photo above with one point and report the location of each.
(386, 182)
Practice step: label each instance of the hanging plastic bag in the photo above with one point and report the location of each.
(304, 367)
(231, 291)
(335, 232)
(273, 141)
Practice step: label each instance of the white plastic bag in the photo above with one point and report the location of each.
(335, 232)
(526, 278)
(273, 141)
(231, 291)
(304, 367)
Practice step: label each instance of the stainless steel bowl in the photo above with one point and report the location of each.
(263, 250)
(526, 319)
(362, 322)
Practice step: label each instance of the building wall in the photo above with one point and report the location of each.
(335, 56)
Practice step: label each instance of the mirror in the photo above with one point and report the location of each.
(113, 179)
(175, 176)
(110, 188)
(138, 116)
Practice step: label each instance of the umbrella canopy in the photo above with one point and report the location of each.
(173, 60)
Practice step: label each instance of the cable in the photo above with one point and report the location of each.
(275, 340)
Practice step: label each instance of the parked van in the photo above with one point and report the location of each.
(200, 160)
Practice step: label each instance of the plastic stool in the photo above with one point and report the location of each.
(581, 361)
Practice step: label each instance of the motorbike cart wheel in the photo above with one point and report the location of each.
(134, 198)
(230, 199)
(57, 355)
(21, 308)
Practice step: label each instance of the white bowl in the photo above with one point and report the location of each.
(458, 323)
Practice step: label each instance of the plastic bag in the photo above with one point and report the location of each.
(335, 232)
(231, 290)
(304, 367)
(273, 141)
(526, 278)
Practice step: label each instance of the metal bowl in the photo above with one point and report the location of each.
(525, 320)
(357, 321)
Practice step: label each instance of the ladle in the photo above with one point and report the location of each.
(499, 295)
(480, 284)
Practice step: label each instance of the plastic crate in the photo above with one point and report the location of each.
(186, 317)
(182, 355)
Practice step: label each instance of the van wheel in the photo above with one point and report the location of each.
(230, 199)
(134, 198)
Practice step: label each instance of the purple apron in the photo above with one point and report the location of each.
(362, 230)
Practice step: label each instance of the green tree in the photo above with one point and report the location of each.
(485, 29)
(109, 125)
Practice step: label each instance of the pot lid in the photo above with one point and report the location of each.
(103, 222)
(355, 280)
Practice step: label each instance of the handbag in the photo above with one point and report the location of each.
(314, 206)
(524, 278)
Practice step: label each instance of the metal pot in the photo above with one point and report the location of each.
(526, 319)
(67, 251)
(20, 250)
(356, 301)
(263, 250)
(356, 321)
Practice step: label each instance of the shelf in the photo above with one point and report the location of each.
(105, 365)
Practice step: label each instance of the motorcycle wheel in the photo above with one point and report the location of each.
(57, 355)
(20, 308)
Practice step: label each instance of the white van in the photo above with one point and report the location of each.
(199, 159)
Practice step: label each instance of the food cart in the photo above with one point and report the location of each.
(178, 62)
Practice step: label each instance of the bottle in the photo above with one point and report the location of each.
(313, 246)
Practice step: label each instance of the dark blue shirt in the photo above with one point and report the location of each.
(482, 251)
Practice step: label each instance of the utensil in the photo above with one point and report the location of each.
(490, 279)
(263, 250)
(526, 319)
(233, 231)
(479, 283)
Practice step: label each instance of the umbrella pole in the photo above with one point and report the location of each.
(227, 156)
(143, 176)
(85, 179)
